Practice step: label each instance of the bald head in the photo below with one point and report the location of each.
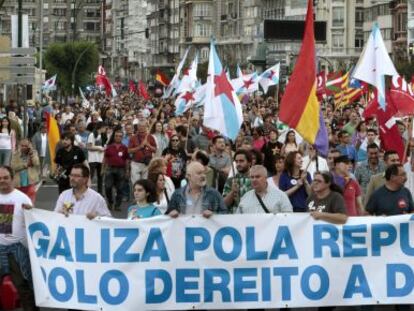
(196, 175)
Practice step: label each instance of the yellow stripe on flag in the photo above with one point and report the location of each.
(53, 137)
(308, 125)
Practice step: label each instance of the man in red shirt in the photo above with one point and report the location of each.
(351, 189)
(141, 146)
(116, 168)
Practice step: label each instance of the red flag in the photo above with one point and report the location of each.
(143, 90)
(102, 79)
(132, 87)
(402, 95)
(321, 85)
(388, 130)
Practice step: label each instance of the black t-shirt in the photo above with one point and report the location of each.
(67, 159)
(333, 203)
(386, 202)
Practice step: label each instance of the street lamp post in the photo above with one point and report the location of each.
(76, 66)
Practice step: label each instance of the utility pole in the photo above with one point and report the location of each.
(21, 88)
(41, 51)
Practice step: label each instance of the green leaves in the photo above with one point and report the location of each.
(61, 58)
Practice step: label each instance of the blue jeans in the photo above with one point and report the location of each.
(5, 156)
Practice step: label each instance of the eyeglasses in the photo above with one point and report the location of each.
(174, 140)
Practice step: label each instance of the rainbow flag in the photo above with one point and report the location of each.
(53, 137)
(299, 107)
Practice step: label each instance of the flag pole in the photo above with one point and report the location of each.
(188, 129)
(407, 142)
(277, 96)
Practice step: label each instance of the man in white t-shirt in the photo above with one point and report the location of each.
(66, 115)
(14, 256)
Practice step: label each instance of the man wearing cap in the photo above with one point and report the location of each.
(351, 189)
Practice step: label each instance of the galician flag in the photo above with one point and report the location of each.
(374, 64)
(175, 82)
(270, 77)
(49, 85)
(222, 108)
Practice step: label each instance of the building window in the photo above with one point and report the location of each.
(202, 30)
(359, 17)
(88, 26)
(204, 54)
(337, 39)
(359, 41)
(60, 25)
(59, 12)
(202, 9)
(338, 17)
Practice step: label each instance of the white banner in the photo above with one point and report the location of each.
(225, 262)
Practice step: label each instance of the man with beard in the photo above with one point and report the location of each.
(66, 158)
(196, 198)
(235, 187)
(80, 199)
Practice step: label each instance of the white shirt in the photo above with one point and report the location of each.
(91, 201)
(95, 156)
(12, 225)
(43, 144)
(275, 200)
(322, 165)
(66, 116)
(5, 141)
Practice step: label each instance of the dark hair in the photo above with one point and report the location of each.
(202, 157)
(358, 127)
(215, 138)
(328, 178)
(247, 154)
(392, 170)
(83, 168)
(97, 127)
(287, 136)
(112, 138)
(9, 169)
(149, 187)
(258, 155)
(388, 153)
(155, 124)
(290, 162)
(342, 133)
(372, 131)
(181, 129)
(8, 126)
(372, 146)
(153, 177)
(68, 135)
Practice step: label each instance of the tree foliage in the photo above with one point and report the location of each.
(60, 59)
(405, 69)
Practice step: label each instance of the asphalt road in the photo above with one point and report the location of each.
(46, 199)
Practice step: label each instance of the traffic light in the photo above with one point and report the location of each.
(411, 49)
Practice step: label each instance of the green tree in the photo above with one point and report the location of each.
(61, 58)
(405, 69)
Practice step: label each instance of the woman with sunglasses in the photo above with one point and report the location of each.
(176, 158)
(326, 201)
(145, 196)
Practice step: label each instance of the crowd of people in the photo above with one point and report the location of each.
(138, 151)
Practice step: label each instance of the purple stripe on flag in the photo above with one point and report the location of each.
(321, 141)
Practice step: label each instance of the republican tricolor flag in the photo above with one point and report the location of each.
(222, 108)
(299, 107)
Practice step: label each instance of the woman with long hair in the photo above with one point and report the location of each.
(258, 139)
(159, 165)
(163, 199)
(295, 181)
(176, 158)
(290, 144)
(7, 141)
(160, 138)
(145, 196)
(279, 163)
